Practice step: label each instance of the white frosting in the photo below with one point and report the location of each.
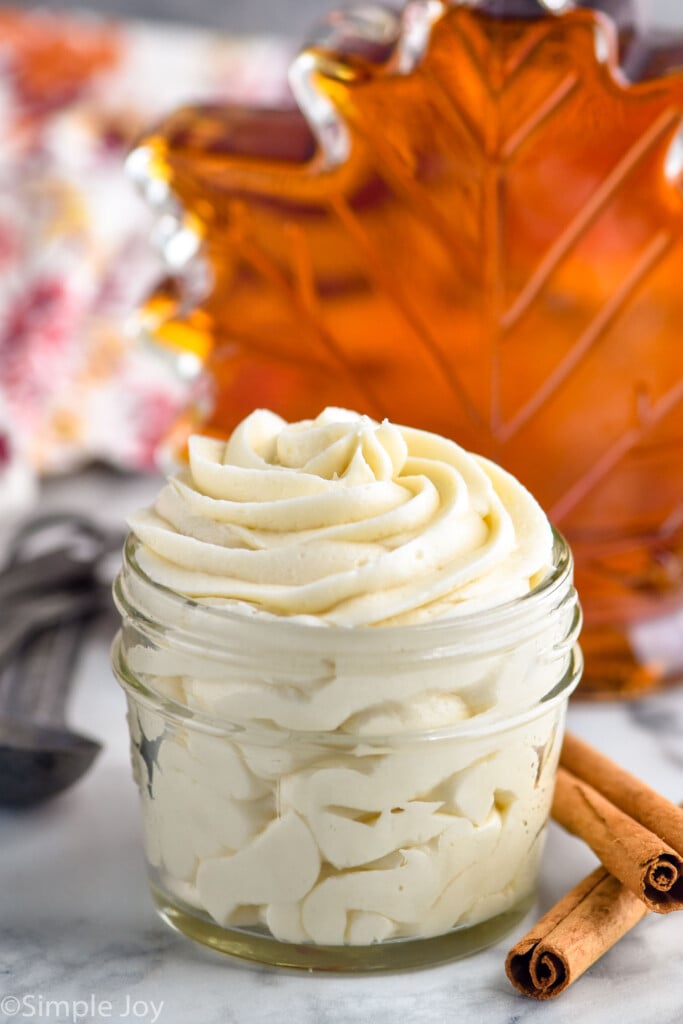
(345, 519)
(345, 522)
(355, 847)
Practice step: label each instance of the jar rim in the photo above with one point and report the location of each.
(448, 631)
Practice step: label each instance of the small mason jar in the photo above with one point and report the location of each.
(343, 798)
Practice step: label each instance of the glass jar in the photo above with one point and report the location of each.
(345, 799)
(471, 223)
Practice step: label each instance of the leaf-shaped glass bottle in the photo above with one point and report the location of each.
(470, 223)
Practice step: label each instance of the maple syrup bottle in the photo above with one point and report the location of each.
(470, 222)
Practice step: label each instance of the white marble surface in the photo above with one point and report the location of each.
(79, 939)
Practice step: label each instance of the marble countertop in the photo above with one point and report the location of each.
(80, 941)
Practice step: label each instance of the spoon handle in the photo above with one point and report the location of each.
(43, 672)
(27, 619)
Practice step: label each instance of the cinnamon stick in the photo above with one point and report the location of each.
(650, 868)
(574, 933)
(624, 790)
(638, 834)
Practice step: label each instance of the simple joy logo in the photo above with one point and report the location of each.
(32, 1006)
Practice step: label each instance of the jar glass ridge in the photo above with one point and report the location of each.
(345, 799)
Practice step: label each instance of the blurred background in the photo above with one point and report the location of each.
(76, 386)
(283, 16)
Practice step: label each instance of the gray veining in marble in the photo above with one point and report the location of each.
(77, 925)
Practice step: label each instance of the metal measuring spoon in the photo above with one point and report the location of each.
(39, 755)
(52, 595)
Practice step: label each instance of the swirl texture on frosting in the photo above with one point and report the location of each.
(346, 520)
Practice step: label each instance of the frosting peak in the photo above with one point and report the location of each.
(345, 519)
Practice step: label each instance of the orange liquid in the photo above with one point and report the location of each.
(498, 260)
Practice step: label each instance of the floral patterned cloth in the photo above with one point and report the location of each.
(75, 260)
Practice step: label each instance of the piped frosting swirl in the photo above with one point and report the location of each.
(346, 520)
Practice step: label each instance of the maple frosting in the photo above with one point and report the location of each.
(345, 519)
(346, 522)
